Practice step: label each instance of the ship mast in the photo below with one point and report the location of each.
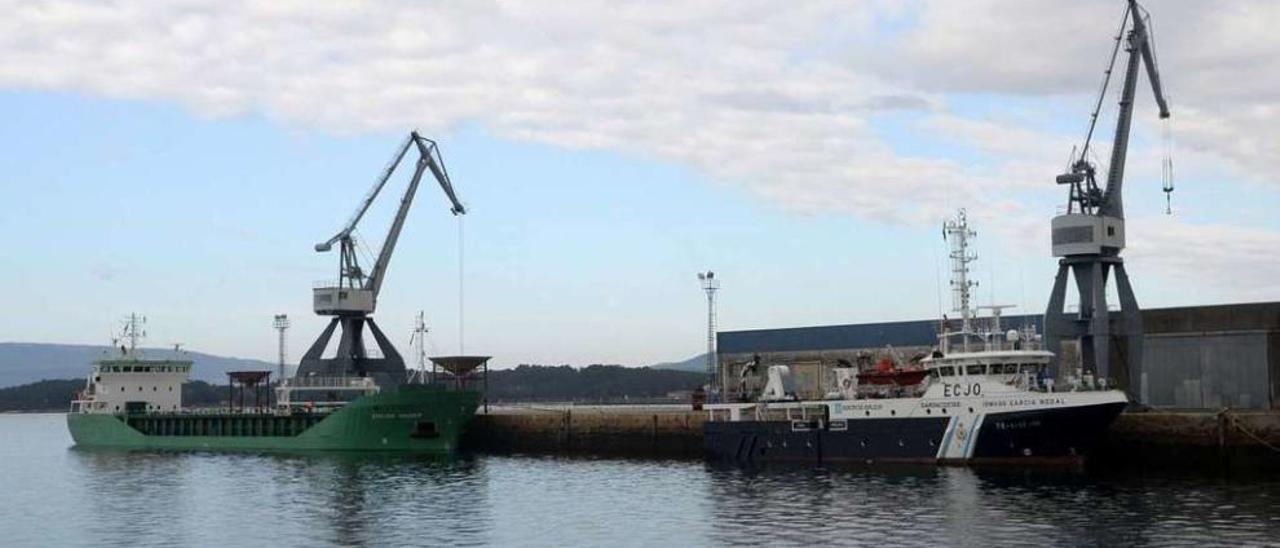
(957, 232)
(132, 331)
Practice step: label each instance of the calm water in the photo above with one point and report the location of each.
(51, 495)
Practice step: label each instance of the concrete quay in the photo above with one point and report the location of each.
(665, 431)
(1196, 437)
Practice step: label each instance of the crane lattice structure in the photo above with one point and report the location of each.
(1091, 234)
(354, 296)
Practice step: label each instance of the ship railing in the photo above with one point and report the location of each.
(336, 383)
(284, 392)
(85, 406)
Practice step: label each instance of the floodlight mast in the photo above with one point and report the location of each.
(281, 324)
(710, 285)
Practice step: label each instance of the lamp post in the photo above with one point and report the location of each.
(710, 285)
(281, 324)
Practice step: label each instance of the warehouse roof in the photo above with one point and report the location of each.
(834, 337)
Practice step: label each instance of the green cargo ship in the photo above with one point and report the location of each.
(131, 402)
(414, 418)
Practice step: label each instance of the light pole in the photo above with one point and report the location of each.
(281, 324)
(710, 285)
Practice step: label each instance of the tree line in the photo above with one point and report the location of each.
(526, 383)
(55, 395)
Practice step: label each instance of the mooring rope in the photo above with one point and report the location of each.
(1235, 421)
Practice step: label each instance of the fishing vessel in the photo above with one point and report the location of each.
(984, 394)
(353, 399)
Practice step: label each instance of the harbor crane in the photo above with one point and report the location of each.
(354, 296)
(1091, 233)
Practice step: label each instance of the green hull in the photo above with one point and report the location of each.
(415, 418)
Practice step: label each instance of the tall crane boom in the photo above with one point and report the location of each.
(357, 292)
(429, 158)
(1139, 49)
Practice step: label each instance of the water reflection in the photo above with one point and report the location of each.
(53, 496)
(926, 506)
(159, 498)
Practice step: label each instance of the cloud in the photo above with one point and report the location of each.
(1219, 63)
(1235, 262)
(784, 100)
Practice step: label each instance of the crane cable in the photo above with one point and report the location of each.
(1166, 163)
(461, 295)
(1106, 82)
(1166, 167)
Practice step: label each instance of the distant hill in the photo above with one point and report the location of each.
(696, 364)
(22, 363)
(526, 383)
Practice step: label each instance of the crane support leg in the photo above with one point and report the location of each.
(1057, 324)
(352, 358)
(1133, 333)
(1108, 347)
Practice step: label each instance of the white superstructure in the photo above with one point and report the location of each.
(127, 382)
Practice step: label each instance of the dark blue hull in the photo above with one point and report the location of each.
(1054, 435)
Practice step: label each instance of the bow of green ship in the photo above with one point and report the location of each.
(411, 418)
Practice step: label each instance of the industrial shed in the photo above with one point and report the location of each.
(1195, 357)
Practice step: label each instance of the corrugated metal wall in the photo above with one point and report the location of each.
(1206, 370)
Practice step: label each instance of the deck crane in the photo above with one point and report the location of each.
(354, 296)
(1091, 234)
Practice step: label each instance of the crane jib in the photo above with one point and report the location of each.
(364, 289)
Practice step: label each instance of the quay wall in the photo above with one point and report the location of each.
(1191, 437)
(625, 431)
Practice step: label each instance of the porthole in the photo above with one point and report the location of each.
(928, 411)
(868, 413)
(970, 409)
(893, 412)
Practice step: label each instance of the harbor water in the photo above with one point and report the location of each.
(54, 495)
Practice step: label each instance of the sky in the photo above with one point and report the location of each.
(181, 159)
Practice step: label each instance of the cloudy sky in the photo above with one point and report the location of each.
(181, 158)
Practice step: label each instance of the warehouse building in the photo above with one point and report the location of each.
(1195, 357)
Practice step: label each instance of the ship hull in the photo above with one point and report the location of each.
(1052, 435)
(418, 419)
